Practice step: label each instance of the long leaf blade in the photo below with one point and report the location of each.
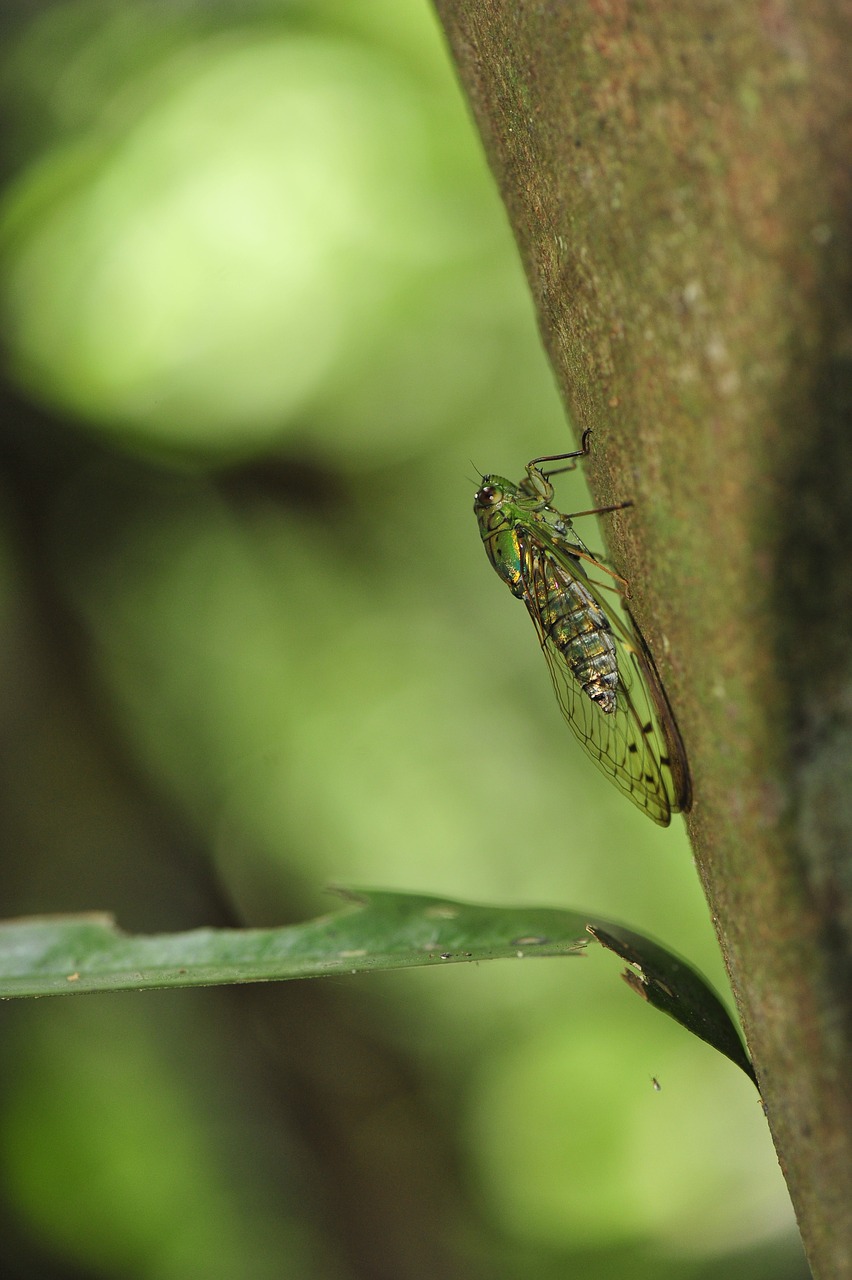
(60, 955)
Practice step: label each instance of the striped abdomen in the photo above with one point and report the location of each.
(569, 616)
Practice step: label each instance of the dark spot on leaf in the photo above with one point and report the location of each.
(635, 983)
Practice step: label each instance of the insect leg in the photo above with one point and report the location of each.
(584, 554)
(600, 511)
(582, 452)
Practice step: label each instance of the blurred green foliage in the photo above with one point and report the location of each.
(260, 308)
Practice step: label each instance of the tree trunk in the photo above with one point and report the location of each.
(678, 179)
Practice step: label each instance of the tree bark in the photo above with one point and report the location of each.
(678, 179)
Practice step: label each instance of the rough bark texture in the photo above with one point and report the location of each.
(678, 178)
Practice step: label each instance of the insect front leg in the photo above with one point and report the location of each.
(537, 482)
(573, 457)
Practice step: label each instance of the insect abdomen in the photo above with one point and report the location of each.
(582, 634)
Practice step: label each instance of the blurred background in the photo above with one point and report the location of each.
(263, 321)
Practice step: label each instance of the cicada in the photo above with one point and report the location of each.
(606, 683)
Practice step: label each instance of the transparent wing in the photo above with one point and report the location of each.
(637, 745)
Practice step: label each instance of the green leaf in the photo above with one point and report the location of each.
(58, 955)
(670, 984)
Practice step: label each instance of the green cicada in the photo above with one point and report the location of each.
(605, 679)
